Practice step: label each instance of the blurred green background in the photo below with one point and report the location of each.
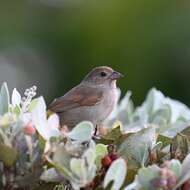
(54, 43)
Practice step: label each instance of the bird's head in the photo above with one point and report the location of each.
(102, 76)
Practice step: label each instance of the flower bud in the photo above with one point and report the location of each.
(159, 182)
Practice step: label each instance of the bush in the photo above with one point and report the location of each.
(142, 148)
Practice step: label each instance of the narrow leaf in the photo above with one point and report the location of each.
(4, 99)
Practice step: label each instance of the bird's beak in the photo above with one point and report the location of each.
(116, 75)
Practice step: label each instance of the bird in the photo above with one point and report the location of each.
(92, 100)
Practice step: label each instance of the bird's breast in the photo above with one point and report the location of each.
(109, 101)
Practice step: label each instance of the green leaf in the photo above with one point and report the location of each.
(4, 99)
(165, 140)
(114, 134)
(8, 155)
(82, 132)
(101, 151)
(17, 110)
(4, 139)
(33, 104)
(78, 167)
(116, 173)
(157, 146)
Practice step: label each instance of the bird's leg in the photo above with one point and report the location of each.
(96, 130)
(96, 135)
(100, 130)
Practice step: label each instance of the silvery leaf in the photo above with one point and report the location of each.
(90, 156)
(78, 168)
(137, 145)
(175, 167)
(116, 173)
(185, 173)
(82, 132)
(145, 175)
(134, 185)
(16, 98)
(51, 175)
(4, 99)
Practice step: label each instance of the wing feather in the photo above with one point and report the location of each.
(78, 96)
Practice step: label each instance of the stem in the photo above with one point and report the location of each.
(8, 178)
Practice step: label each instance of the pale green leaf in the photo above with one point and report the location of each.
(33, 104)
(4, 99)
(82, 132)
(145, 175)
(50, 175)
(16, 98)
(136, 146)
(116, 173)
(78, 167)
(185, 174)
(176, 167)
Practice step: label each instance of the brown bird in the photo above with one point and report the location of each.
(92, 100)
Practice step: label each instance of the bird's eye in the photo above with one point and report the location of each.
(103, 74)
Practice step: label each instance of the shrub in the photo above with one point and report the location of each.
(143, 148)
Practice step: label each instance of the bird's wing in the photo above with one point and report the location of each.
(76, 97)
